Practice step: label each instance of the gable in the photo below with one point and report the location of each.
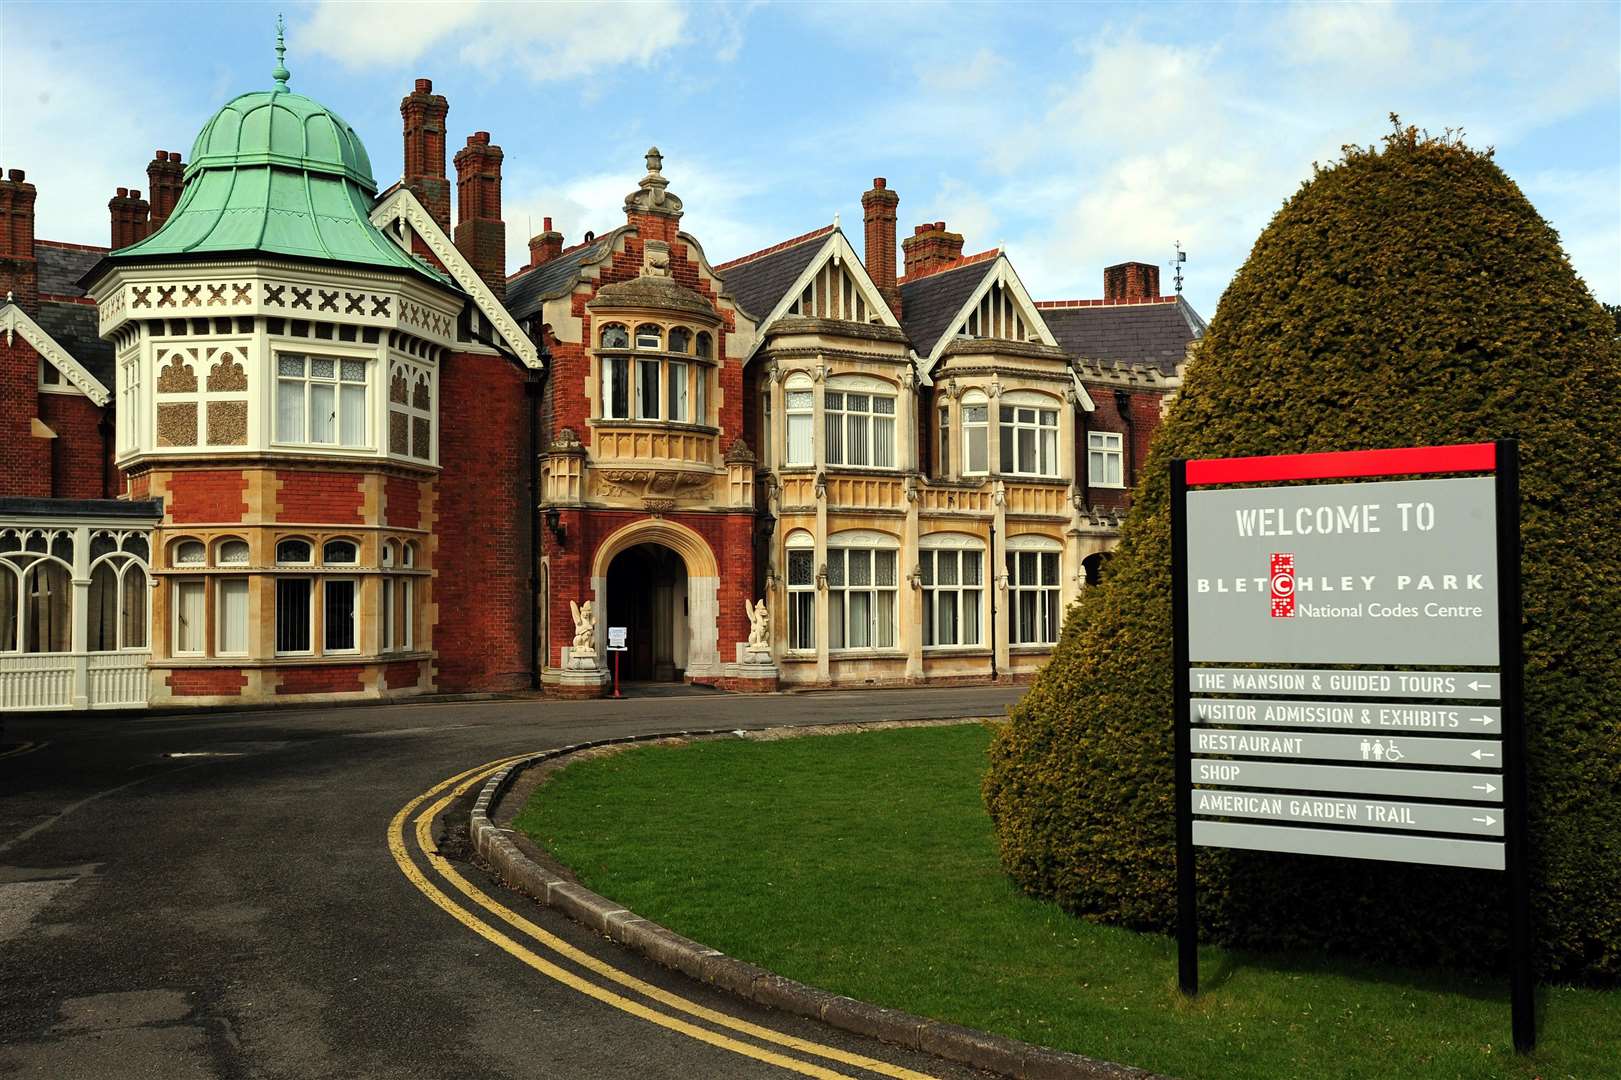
(15, 322)
(401, 208)
(835, 285)
(997, 307)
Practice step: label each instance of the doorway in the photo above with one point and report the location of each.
(647, 595)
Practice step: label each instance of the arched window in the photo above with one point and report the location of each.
(615, 336)
(801, 552)
(649, 336)
(189, 553)
(117, 617)
(340, 552)
(799, 406)
(47, 607)
(231, 552)
(951, 572)
(294, 552)
(704, 344)
(680, 339)
(10, 602)
(975, 434)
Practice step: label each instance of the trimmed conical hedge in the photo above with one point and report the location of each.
(1403, 296)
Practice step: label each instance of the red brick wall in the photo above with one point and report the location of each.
(482, 564)
(25, 460)
(404, 673)
(1142, 419)
(402, 503)
(341, 679)
(207, 495)
(79, 451)
(206, 682)
(327, 497)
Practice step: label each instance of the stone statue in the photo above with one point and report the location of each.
(759, 628)
(584, 653)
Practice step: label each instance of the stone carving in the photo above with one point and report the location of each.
(584, 651)
(656, 259)
(759, 646)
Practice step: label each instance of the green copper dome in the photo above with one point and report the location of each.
(278, 173)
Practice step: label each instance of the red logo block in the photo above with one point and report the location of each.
(1283, 586)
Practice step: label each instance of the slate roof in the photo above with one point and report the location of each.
(526, 292)
(758, 282)
(928, 304)
(76, 327)
(1144, 335)
(58, 508)
(60, 268)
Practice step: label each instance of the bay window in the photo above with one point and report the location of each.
(860, 428)
(665, 386)
(953, 596)
(1105, 459)
(861, 590)
(320, 400)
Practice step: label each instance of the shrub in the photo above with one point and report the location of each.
(1407, 295)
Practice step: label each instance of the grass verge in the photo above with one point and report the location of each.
(864, 864)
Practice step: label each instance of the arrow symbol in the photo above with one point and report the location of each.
(1482, 720)
(1480, 686)
(1487, 788)
(1478, 754)
(1487, 821)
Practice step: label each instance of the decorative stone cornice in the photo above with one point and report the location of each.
(14, 320)
(801, 324)
(1035, 350)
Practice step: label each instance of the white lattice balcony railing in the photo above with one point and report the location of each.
(118, 680)
(37, 681)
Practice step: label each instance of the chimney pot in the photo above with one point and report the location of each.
(930, 249)
(424, 86)
(135, 193)
(880, 183)
(17, 175)
(1130, 282)
(123, 193)
(546, 224)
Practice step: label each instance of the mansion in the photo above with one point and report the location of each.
(290, 437)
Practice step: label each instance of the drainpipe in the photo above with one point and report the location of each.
(534, 387)
(990, 585)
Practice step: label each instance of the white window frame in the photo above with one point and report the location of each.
(1043, 436)
(962, 595)
(799, 411)
(799, 572)
(220, 626)
(848, 424)
(1033, 554)
(1102, 447)
(976, 431)
(308, 382)
(843, 555)
(179, 586)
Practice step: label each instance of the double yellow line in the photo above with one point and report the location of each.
(422, 836)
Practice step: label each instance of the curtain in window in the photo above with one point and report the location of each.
(833, 418)
(103, 622)
(976, 448)
(799, 404)
(883, 432)
(189, 603)
(323, 412)
(678, 391)
(232, 612)
(352, 429)
(48, 608)
(290, 399)
(8, 608)
(801, 600)
(616, 387)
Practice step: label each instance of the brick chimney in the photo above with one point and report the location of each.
(480, 233)
(19, 271)
(878, 216)
(1130, 282)
(165, 175)
(424, 114)
(930, 248)
(545, 247)
(128, 212)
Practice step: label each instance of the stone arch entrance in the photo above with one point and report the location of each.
(659, 580)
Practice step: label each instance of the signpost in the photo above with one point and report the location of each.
(1347, 567)
(616, 645)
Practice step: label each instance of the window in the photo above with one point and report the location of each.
(189, 553)
(766, 434)
(1029, 441)
(320, 400)
(615, 336)
(860, 428)
(953, 591)
(944, 441)
(1105, 459)
(294, 611)
(294, 551)
(801, 598)
(704, 344)
(677, 407)
(1033, 597)
(654, 387)
(231, 616)
(398, 594)
(861, 598)
(680, 339)
(232, 553)
(649, 336)
(340, 611)
(799, 406)
(190, 618)
(975, 438)
(700, 400)
(410, 409)
(615, 387)
(342, 552)
(647, 389)
(47, 603)
(117, 604)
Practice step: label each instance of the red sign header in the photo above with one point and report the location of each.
(1470, 457)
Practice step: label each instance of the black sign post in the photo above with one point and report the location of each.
(1311, 579)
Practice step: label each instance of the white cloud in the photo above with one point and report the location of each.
(543, 42)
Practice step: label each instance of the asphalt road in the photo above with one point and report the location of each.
(214, 896)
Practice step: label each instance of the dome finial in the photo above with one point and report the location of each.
(281, 74)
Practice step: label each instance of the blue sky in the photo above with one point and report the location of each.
(1077, 135)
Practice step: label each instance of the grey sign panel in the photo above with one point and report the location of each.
(1442, 685)
(1377, 716)
(1389, 847)
(1355, 813)
(1369, 780)
(1390, 572)
(1376, 749)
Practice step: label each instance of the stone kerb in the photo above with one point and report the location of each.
(977, 1049)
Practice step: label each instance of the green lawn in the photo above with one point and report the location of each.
(864, 864)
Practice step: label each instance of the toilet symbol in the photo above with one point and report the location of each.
(1378, 750)
(1393, 754)
(1365, 749)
